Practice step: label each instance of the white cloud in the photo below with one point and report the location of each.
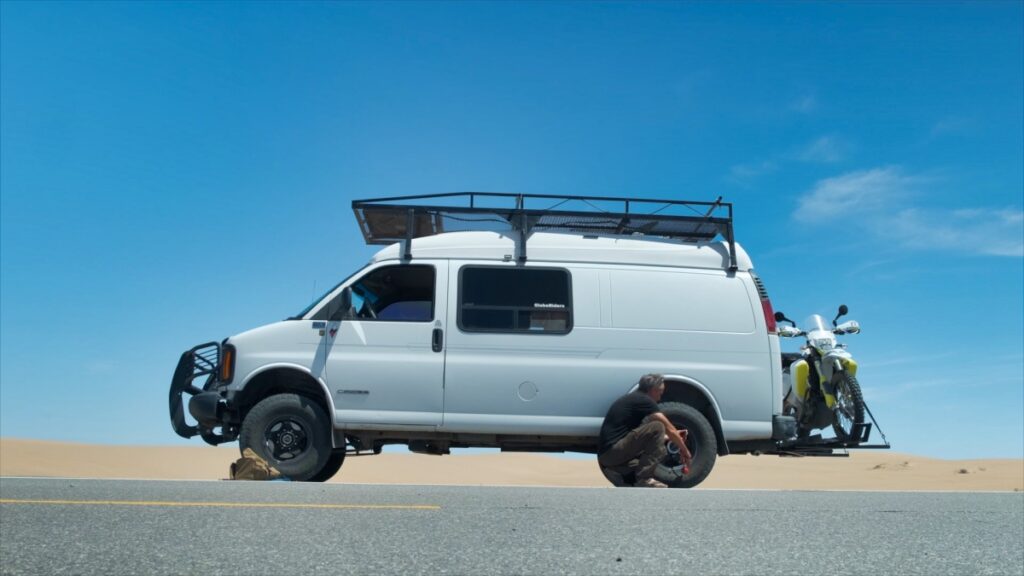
(996, 232)
(805, 104)
(751, 170)
(878, 201)
(854, 192)
(882, 392)
(826, 149)
(949, 125)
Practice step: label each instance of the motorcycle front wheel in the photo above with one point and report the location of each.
(849, 408)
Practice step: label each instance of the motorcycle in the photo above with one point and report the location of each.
(821, 380)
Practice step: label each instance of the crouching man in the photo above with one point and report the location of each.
(635, 428)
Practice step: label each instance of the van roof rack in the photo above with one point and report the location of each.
(403, 218)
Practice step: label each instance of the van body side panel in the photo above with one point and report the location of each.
(776, 369)
(628, 321)
(295, 343)
(771, 343)
(746, 430)
(705, 325)
(674, 300)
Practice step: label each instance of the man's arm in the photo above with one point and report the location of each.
(674, 436)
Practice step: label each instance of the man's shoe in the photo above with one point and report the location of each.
(651, 483)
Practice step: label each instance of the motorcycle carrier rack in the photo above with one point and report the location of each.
(404, 218)
(817, 446)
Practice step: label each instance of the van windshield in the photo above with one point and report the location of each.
(321, 297)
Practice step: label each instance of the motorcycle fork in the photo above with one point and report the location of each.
(828, 387)
(825, 391)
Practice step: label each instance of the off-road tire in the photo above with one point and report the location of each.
(301, 414)
(702, 443)
(848, 386)
(331, 468)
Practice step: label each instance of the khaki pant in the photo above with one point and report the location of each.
(645, 443)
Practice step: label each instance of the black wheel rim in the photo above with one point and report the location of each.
(672, 461)
(285, 439)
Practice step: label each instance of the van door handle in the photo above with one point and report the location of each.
(438, 340)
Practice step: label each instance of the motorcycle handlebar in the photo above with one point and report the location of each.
(786, 332)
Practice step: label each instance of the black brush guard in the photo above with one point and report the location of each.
(202, 361)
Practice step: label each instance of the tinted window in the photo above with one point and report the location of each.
(532, 300)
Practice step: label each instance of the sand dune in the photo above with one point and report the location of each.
(862, 471)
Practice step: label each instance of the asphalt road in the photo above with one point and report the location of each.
(58, 526)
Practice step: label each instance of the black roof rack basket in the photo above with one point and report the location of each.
(402, 218)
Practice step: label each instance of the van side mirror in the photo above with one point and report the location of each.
(342, 305)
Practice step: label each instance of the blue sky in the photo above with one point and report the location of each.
(172, 174)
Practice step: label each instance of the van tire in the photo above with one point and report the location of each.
(331, 468)
(290, 432)
(701, 441)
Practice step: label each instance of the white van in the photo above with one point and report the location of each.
(516, 327)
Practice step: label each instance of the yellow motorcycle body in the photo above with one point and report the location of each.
(801, 372)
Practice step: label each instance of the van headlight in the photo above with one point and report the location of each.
(227, 363)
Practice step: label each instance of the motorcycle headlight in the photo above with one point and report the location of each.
(823, 344)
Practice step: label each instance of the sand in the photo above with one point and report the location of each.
(866, 470)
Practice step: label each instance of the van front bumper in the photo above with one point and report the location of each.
(207, 405)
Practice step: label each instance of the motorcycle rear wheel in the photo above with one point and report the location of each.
(849, 408)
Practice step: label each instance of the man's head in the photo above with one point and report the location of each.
(653, 385)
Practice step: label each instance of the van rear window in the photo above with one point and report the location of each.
(519, 300)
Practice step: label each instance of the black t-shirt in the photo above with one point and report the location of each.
(623, 417)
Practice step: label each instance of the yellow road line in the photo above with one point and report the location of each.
(224, 504)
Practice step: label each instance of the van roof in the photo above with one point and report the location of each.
(575, 248)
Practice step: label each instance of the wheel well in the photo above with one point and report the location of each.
(680, 391)
(280, 381)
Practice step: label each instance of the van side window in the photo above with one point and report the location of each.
(504, 299)
(402, 293)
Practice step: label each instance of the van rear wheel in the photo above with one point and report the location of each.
(292, 433)
(700, 441)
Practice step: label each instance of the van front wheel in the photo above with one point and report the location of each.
(331, 468)
(700, 441)
(292, 434)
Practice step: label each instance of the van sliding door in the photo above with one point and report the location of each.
(515, 364)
